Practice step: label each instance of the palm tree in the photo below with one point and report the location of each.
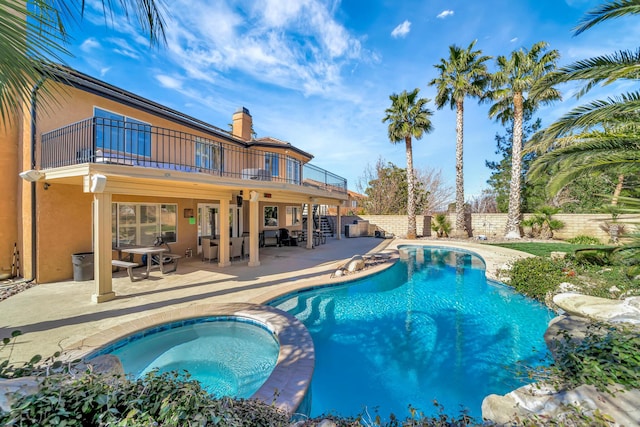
(513, 92)
(33, 34)
(408, 118)
(601, 135)
(464, 74)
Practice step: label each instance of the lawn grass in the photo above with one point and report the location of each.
(542, 248)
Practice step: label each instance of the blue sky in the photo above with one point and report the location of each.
(319, 73)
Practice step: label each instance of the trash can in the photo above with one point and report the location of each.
(82, 266)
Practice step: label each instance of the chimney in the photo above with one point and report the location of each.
(242, 124)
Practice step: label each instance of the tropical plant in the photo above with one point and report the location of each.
(408, 118)
(601, 135)
(512, 93)
(463, 75)
(33, 35)
(441, 225)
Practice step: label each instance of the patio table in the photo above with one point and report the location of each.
(149, 252)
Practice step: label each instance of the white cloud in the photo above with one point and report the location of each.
(169, 82)
(104, 71)
(513, 40)
(90, 44)
(401, 30)
(445, 13)
(297, 45)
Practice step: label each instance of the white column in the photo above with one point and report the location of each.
(338, 223)
(102, 248)
(309, 226)
(223, 248)
(254, 229)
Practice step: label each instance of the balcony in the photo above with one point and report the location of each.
(102, 140)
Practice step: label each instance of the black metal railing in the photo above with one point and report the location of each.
(103, 140)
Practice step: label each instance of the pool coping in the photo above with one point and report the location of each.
(289, 381)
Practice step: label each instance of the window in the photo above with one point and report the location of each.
(271, 163)
(140, 224)
(293, 170)
(118, 133)
(270, 216)
(208, 155)
(293, 215)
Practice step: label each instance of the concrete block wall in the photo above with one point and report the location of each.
(493, 225)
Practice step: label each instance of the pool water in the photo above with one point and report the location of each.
(432, 327)
(228, 357)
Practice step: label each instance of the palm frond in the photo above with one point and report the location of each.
(606, 11)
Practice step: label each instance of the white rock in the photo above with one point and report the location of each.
(355, 264)
(568, 287)
(601, 309)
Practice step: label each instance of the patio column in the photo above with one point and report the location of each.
(223, 248)
(309, 226)
(338, 222)
(254, 229)
(102, 248)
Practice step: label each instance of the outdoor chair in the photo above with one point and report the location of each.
(209, 249)
(236, 247)
(285, 238)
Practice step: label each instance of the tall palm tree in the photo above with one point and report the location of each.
(513, 92)
(33, 34)
(464, 74)
(408, 118)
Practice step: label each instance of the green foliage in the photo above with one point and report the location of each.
(607, 357)
(441, 225)
(537, 276)
(387, 191)
(584, 240)
(169, 399)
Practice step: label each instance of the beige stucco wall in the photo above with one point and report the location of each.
(9, 153)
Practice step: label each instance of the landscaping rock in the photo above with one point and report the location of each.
(11, 389)
(575, 326)
(601, 309)
(107, 364)
(355, 264)
(545, 403)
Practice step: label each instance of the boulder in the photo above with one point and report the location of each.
(106, 364)
(12, 388)
(356, 263)
(601, 309)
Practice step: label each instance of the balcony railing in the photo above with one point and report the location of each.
(102, 140)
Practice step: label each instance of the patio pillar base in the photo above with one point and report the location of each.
(103, 297)
(224, 264)
(254, 264)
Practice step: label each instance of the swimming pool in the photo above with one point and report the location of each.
(432, 327)
(230, 356)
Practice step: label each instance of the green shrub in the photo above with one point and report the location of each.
(537, 276)
(606, 357)
(584, 240)
(168, 399)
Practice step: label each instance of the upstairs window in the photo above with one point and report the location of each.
(293, 170)
(271, 163)
(208, 155)
(118, 133)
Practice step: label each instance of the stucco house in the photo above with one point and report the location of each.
(101, 167)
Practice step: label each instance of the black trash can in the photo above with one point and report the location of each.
(82, 266)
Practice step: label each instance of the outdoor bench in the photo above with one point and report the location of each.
(125, 264)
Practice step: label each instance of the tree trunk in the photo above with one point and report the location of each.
(512, 230)
(411, 202)
(461, 229)
(618, 190)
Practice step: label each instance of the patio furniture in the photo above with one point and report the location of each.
(236, 247)
(209, 249)
(128, 265)
(270, 238)
(286, 239)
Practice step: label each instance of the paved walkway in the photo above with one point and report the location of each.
(54, 316)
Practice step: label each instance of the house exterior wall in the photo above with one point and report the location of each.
(9, 155)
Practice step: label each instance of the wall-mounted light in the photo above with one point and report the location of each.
(31, 175)
(46, 185)
(188, 213)
(98, 183)
(253, 196)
